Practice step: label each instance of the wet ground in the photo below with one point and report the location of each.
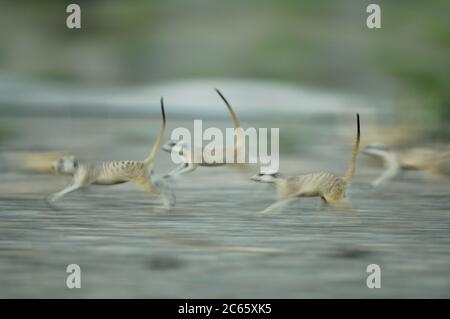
(213, 244)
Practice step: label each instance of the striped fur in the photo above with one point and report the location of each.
(189, 163)
(329, 187)
(115, 172)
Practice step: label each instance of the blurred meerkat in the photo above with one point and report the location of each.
(38, 162)
(395, 161)
(329, 187)
(115, 172)
(191, 158)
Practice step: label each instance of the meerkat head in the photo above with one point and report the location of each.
(65, 165)
(376, 148)
(266, 177)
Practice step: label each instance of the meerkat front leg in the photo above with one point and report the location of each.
(69, 189)
(182, 169)
(279, 205)
(390, 172)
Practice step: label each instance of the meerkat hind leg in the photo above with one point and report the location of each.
(343, 206)
(147, 186)
(181, 169)
(167, 194)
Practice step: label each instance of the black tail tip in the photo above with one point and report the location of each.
(220, 93)
(358, 123)
(162, 107)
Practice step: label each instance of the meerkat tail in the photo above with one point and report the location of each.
(151, 157)
(351, 170)
(236, 123)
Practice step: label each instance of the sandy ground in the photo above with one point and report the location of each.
(213, 244)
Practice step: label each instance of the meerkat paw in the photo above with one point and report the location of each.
(266, 211)
(374, 184)
(167, 194)
(50, 200)
(168, 199)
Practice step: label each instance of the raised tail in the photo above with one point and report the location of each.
(151, 157)
(236, 123)
(351, 169)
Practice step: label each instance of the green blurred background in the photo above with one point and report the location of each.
(323, 44)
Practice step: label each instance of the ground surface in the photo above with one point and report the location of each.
(213, 244)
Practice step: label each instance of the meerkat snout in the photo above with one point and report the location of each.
(265, 177)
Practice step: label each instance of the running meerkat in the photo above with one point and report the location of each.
(329, 187)
(115, 172)
(396, 161)
(191, 158)
(32, 161)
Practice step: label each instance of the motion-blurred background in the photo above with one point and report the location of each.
(305, 66)
(142, 44)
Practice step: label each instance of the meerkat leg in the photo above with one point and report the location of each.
(342, 205)
(182, 169)
(69, 189)
(279, 205)
(167, 194)
(323, 204)
(387, 175)
(147, 186)
(392, 169)
(337, 203)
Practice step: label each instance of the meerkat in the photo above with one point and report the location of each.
(115, 172)
(33, 161)
(329, 187)
(396, 161)
(189, 158)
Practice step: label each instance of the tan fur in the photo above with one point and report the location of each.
(395, 161)
(111, 173)
(39, 162)
(329, 187)
(191, 162)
